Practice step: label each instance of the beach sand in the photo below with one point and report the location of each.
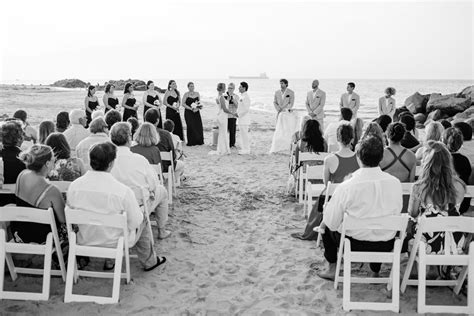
(230, 251)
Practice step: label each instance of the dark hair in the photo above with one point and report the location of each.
(446, 124)
(112, 117)
(346, 114)
(395, 132)
(453, 139)
(21, 115)
(465, 129)
(58, 142)
(168, 125)
(149, 82)
(408, 120)
(370, 151)
(220, 86)
(312, 136)
(284, 81)
(108, 86)
(101, 156)
(89, 89)
(120, 133)
(127, 87)
(62, 121)
(44, 130)
(12, 133)
(98, 125)
(351, 84)
(169, 85)
(190, 83)
(134, 124)
(384, 120)
(151, 116)
(36, 156)
(345, 134)
(245, 85)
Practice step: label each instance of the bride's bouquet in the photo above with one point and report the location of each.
(196, 105)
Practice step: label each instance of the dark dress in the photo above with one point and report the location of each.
(12, 167)
(172, 114)
(128, 112)
(92, 105)
(462, 165)
(112, 102)
(151, 99)
(193, 120)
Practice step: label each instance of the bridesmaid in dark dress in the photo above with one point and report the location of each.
(110, 100)
(91, 103)
(172, 102)
(151, 100)
(129, 103)
(192, 116)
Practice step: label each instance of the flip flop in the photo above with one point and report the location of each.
(159, 263)
(109, 265)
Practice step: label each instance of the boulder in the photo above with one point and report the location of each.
(467, 92)
(416, 103)
(449, 104)
(420, 118)
(70, 83)
(466, 114)
(434, 116)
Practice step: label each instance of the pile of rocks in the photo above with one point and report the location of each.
(70, 83)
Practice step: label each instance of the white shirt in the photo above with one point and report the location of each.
(175, 139)
(74, 135)
(135, 172)
(349, 98)
(243, 109)
(82, 149)
(330, 135)
(100, 192)
(369, 193)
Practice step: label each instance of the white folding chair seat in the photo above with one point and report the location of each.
(170, 175)
(119, 221)
(303, 158)
(396, 223)
(448, 225)
(32, 215)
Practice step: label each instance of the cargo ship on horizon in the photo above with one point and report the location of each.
(263, 75)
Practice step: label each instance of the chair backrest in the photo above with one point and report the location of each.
(418, 170)
(81, 217)
(331, 187)
(141, 194)
(27, 214)
(63, 186)
(406, 188)
(463, 224)
(390, 222)
(166, 156)
(314, 172)
(469, 192)
(310, 156)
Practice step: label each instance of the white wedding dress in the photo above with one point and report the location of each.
(223, 147)
(286, 126)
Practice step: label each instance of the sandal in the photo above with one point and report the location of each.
(159, 263)
(109, 265)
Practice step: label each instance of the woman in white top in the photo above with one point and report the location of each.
(387, 103)
(223, 147)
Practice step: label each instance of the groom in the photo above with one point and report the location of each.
(232, 120)
(244, 120)
(284, 98)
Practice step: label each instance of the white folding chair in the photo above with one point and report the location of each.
(448, 225)
(396, 223)
(170, 175)
(406, 188)
(418, 171)
(303, 158)
(331, 187)
(470, 193)
(118, 221)
(63, 186)
(32, 215)
(159, 171)
(142, 194)
(312, 189)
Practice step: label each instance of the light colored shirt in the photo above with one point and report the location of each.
(82, 149)
(100, 192)
(74, 135)
(330, 135)
(369, 193)
(243, 109)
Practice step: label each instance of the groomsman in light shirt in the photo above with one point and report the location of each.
(233, 106)
(244, 120)
(350, 100)
(315, 100)
(284, 98)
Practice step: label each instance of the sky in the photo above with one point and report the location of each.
(55, 39)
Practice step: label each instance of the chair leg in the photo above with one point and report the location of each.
(470, 280)
(346, 287)
(11, 266)
(118, 270)
(395, 275)
(411, 261)
(2, 260)
(71, 267)
(421, 278)
(338, 264)
(461, 279)
(47, 266)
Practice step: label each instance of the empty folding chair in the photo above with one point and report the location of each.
(32, 215)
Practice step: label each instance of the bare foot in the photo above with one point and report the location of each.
(329, 273)
(163, 233)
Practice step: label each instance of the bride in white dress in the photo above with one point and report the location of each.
(222, 117)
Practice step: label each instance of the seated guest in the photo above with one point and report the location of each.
(45, 128)
(374, 129)
(135, 171)
(31, 135)
(168, 125)
(312, 139)
(446, 124)
(298, 134)
(62, 122)
(33, 190)
(383, 121)
(409, 140)
(66, 168)
(369, 193)
(112, 117)
(433, 131)
(467, 148)
(134, 124)
(99, 134)
(12, 137)
(147, 139)
(330, 135)
(397, 160)
(98, 191)
(438, 192)
(77, 131)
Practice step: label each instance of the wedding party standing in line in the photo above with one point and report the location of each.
(315, 101)
(172, 102)
(91, 103)
(129, 103)
(233, 101)
(244, 120)
(109, 99)
(192, 116)
(151, 100)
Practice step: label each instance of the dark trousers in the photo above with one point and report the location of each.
(232, 128)
(331, 241)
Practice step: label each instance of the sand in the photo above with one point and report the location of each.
(230, 251)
